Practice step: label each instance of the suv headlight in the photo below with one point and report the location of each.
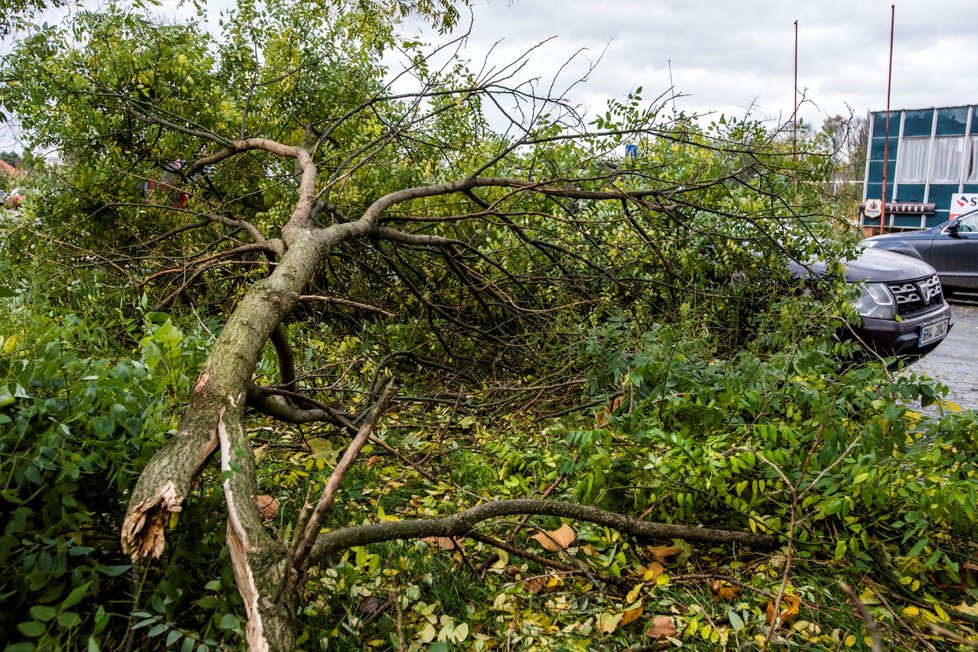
(875, 301)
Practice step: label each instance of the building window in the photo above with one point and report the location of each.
(947, 160)
(913, 160)
(971, 175)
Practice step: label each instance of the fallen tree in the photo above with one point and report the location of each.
(300, 187)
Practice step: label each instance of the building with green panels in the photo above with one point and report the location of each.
(932, 155)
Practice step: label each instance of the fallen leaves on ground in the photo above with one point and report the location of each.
(662, 553)
(631, 615)
(444, 543)
(652, 571)
(556, 540)
(662, 627)
(608, 622)
(724, 590)
(268, 506)
(789, 609)
(535, 585)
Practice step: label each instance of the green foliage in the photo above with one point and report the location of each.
(722, 397)
(85, 397)
(75, 433)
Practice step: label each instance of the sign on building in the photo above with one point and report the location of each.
(873, 208)
(963, 202)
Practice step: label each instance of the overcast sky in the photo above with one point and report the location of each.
(730, 55)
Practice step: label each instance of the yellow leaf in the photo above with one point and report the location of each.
(428, 634)
(913, 612)
(556, 540)
(850, 640)
(633, 594)
(631, 615)
(968, 608)
(382, 515)
(10, 344)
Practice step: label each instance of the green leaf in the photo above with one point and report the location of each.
(32, 628)
(69, 619)
(736, 622)
(918, 547)
(173, 637)
(25, 646)
(113, 571)
(76, 596)
(840, 549)
(43, 613)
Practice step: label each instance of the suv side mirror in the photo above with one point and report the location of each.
(952, 228)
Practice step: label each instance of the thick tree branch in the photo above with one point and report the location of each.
(460, 524)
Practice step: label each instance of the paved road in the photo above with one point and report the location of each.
(955, 361)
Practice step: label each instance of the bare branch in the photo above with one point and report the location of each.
(304, 543)
(460, 524)
(346, 302)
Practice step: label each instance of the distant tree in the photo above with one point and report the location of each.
(846, 140)
(12, 158)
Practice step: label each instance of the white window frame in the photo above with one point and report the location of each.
(971, 162)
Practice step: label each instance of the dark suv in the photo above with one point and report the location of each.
(901, 303)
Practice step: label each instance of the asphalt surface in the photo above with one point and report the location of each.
(955, 361)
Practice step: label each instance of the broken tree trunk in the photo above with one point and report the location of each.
(215, 418)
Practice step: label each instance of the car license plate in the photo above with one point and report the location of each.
(930, 333)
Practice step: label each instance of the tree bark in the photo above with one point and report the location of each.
(460, 524)
(215, 417)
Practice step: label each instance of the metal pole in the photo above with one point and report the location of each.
(886, 130)
(794, 137)
(672, 87)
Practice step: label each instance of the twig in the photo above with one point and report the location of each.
(617, 582)
(871, 626)
(304, 542)
(346, 302)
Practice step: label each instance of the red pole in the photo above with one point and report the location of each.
(886, 131)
